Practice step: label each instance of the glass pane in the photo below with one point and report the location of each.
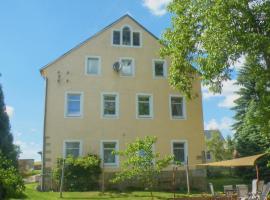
(72, 152)
(144, 99)
(178, 145)
(72, 145)
(159, 68)
(109, 145)
(73, 107)
(176, 99)
(109, 108)
(109, 97)
(92, 66)
(126, 66)
(144, 109)
(136, 39)
(179, 155)
(126, 36)
(108, 156)
(74, 97)
(116, 37)
(177, 110)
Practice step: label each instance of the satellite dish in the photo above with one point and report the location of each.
(116, 66)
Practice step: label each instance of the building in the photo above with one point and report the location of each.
(208, 134)
(113, 88)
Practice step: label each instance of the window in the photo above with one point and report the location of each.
(159, 68)
(93, 65)
(208, 155)
(179, 151)
(126, 36)
(136, 39)
(72, 148)
(110, 105)
(73, 104)
(107, 152)
(116, 37)
(127, 67)
(144, 106)
(177, 107)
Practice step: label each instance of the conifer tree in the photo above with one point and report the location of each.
(8, 149)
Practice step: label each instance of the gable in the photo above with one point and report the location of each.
(99, 39)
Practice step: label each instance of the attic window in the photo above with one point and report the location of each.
(125, 37)
(116, 37)
(126, 40)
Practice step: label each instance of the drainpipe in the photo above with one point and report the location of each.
(44, 142)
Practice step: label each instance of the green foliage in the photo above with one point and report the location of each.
(80, 174)
(210, 36)
(11, 183)
(140, 163)
(219, 148)
(252, 112)
(9, 150)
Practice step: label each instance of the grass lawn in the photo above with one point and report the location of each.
(31, 193)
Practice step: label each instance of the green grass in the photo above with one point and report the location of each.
(31, 193)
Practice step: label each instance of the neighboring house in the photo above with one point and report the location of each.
(208, 134)
(113, 88)
(26, 165)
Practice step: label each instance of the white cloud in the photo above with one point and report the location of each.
(228, 94)
(29, 149)
(157, 7)
(10, 111)
(237, 65)
(223, 125)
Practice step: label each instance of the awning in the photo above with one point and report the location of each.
(238, 162)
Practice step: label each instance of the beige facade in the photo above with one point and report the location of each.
(68, 75)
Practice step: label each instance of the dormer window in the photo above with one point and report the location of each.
(126, 37)
(126, 34)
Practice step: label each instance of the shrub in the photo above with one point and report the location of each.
(11, 183)
(80, 174)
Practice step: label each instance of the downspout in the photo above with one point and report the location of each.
(44, 142)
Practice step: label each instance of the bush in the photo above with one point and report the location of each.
(80, 174)
(11, 183)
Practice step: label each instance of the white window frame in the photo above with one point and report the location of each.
(151, 116)
(133, 66)
(116, 45)
(99, 65)
(71, 140)
(185, 148)
(66, 115)
(165, 69)
(116, 116)
(116, 164)
(121, 39)
(184, 117)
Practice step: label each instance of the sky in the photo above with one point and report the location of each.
(35, 32)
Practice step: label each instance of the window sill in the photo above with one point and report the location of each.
(178, 118)
(144, 117)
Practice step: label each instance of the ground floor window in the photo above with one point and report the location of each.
(179, 151)
(72, 148)
(108, 147)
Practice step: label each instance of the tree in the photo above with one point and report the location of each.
(141, 163)
(252, 112)
(221, 149)
(208, 37)
(11, 182)
(8, 149)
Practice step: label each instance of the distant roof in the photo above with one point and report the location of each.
(209, 133)
(107, 27)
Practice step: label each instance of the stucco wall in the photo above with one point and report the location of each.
(91, 128)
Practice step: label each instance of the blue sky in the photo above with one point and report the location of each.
(33, 33)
